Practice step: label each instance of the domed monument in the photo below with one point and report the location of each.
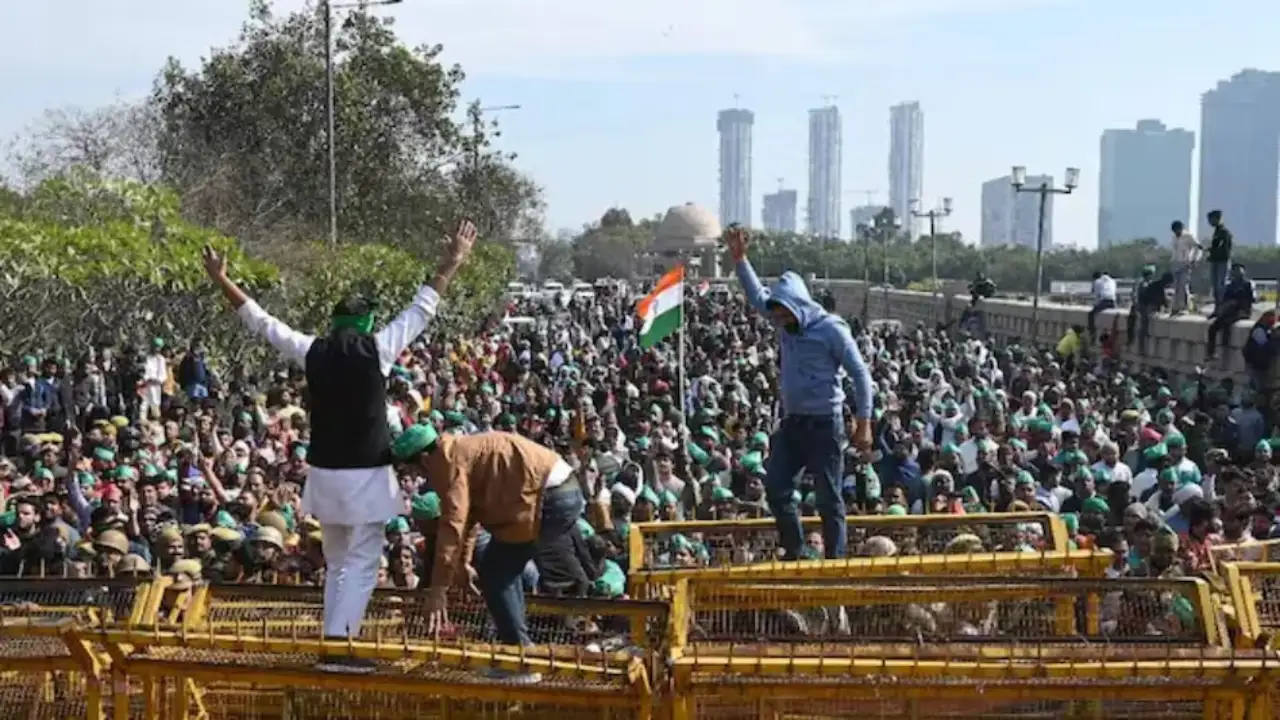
(689, 233)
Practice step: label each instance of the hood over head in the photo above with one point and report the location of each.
(791, 292)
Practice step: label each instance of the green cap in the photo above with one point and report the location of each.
(1096, 505)
(413, 442)
(752, 461)
(895, 509)
(585, 528)
(425, 506)
(397, 525)
(721, 494)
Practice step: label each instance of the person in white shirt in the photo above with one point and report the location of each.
(1186, 253)
(154, 374)
(351, 486)
(1104, 298)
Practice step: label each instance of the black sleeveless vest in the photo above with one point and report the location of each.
(348, 401)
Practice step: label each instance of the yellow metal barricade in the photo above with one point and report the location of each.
(1097, 683)
(745, 542)
(777, 616)
(1255, 597)
(48, 669)
(192, 675)
(1252, 551)
(658, 584)
(565, 627)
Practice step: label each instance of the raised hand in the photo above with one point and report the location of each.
(214, 264)
(462, 241)
(736, 238)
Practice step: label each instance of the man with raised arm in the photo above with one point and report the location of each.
(815, 345)
(351, 487)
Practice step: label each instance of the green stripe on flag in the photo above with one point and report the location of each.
(662, 326)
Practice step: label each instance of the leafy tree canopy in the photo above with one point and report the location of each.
(84, 260)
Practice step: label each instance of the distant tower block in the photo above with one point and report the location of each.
(692, 233)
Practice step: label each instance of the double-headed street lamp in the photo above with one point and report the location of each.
(1044, 189)
(933, 215)
(887, 226)
(328, 9)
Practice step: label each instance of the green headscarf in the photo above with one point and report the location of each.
(360, 323)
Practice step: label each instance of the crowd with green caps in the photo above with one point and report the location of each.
(101, 476)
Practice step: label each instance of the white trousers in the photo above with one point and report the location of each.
(351, 557)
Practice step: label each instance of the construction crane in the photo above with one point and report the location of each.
(871, 195)
(830, 100)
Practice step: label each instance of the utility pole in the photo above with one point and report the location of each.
(1044, 190)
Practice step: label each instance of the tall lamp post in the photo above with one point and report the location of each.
(330, 133)
(933, 215)
(887, 225)
(1044, 190)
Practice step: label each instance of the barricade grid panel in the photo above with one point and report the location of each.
(256, 702)
(731, 543)
(42, 695)
(975, 709)
(399, 616)
(725, 696)
(946, 610)
(89, 602)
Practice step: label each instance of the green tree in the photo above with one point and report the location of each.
(390, 276)
(614, 247)
(89, 261)
(242, 137)
(556, 260)
(85, 260)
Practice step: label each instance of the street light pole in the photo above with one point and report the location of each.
(886, 223)
(933, 215)
(329, 112)
(1044, 190)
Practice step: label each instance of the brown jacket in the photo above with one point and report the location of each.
(493, 479)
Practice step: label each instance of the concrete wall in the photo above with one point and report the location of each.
(1177, 345)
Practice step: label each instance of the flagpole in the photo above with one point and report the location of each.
(684, 379)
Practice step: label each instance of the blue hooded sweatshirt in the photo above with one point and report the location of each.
(813, 355)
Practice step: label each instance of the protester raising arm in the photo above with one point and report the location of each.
(412, 321)
(391, 340)
(757, 294)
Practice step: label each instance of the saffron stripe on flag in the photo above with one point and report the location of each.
(673, 277)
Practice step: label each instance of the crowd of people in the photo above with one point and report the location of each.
(118, 462)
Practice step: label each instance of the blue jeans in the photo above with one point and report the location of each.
(1218, 276)
(807, 442)
(502, 567)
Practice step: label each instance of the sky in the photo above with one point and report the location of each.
(619, 97)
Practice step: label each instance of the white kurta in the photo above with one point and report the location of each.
(349, 496)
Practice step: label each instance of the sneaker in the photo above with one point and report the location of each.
(514, 677)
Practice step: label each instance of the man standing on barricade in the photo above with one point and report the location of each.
(815, 345)
(524, 494)
(351, 487)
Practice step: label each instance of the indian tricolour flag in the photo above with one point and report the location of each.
(660, 312)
